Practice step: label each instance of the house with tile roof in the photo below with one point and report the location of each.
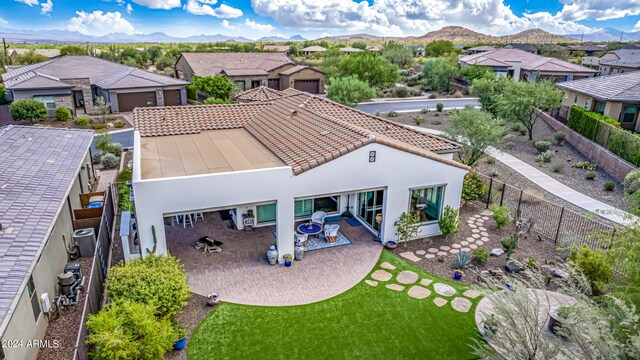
(252, 70)
(44, 170)
(277, 161)
(74, 82)
(616, 95)
(523, 65)
(619, 61)
(14, 53)
(524, 47)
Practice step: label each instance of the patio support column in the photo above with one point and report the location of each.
(285, 223)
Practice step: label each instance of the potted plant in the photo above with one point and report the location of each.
(182, 335)
(391, 244)
(287, 260)
(556, 317)
(457, 274)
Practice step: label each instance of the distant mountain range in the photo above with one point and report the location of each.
(608, 34)
(64, 36)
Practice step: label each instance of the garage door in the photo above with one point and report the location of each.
(310, 86)
(274, 84)
(130, 101)
(172, 98)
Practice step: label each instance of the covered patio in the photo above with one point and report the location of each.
(241, 273)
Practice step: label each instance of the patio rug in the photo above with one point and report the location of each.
(334, 218)
(313, 243)
(353, 222)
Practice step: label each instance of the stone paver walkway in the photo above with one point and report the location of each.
(550, 184)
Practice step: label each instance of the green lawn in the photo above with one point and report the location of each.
(363, 323)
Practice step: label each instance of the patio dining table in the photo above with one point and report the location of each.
(312, 230)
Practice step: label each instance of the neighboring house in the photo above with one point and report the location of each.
(617, 96)
(44, 172)
(277, 158)
(418, 50)
(252, 70)
(350, 50)
(75, 81)
(14, 53)
(522, 65)
(591, 52)
(277, 48)
(619, 61)
(313, 50)
(479, 49)
(375, 48)
(524, 47)
(261, 93)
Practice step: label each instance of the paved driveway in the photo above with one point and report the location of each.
(415, 105)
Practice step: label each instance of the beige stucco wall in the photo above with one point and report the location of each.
(569, 99)
(275, 73)
(183, 70)
(22, 325)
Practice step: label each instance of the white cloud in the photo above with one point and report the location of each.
(203, 7)
(159, 4)
(129, 9)
(3, 22)
(28, 2)
(99, 23)
(263, 28)
(636, 27)
(227, 25)
(576, 10)
(46, 7)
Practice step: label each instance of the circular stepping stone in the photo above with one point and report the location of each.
(471, 294)
(473, 246)
(475, 236)
(409, 255)
(444, 289)
(381, 275)
(441, 253)
(463, 243)
(420, 252)
(482, 228)
(484, 238)
(407, 277)
(418, 292)
(475, 231)
(445, 248)
(429, 256)
(425, 282)
(456, 246)
(433, 250)
(395, 287)
(440, 302)
(454, 251)
(386, 265)
(461, 304)
(371, 282)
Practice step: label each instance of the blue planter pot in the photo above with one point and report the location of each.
(287, 263)
(457, 276)
(180, 344)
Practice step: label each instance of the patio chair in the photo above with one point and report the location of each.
(318, 217)
(331, 233)
(302, 238)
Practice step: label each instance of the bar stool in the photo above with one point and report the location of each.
(198, 215)
(176, 219)
(187, 219)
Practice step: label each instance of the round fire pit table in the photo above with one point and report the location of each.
(311, 230)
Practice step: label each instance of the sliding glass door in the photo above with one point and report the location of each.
(369, 206)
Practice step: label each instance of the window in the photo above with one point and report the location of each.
(239, 85)
(427, 203)
(565, 95)
(629, 113)
(587, 103)
(48, 101)
(266, 213)
(575, 100)
(305, 207)
(33, 296)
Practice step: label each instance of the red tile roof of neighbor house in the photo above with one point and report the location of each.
(527, 60)
(303, 130)
(209, 64)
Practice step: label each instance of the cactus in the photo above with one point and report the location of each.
(155, 241)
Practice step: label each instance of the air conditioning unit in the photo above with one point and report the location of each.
(85, 240)
(45, 303)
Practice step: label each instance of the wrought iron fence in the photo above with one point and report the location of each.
(551, 221)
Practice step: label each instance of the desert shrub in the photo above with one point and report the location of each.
(28, 110)
(433, 96)
(63, 114)
(510, 243)
(631, 181)
(490, 160)
(109, 161)
(95, 158)
(544, 157)
(424, 111)
(585, 165)
(471, 187)
(402, 91)
(119, 124)
(192, 92)
(516, 126)
(403, 72)
(418, 120)
(462, 260)
(609, 185)
(542, 145)
(494, 173)
(392, 114)
(83, 121)
(591, 175)
(215, 101)
(114, 148)
(531, 263)
(557, 168)
(481, 254)
(559, 137)
(3, 95)
(500, 215)
(448, 221)
(130, 331)
(158, 280)
(439, 107)
(594, 265)
(98, 126)
(436, 121)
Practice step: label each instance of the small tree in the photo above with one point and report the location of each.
(218, 87)
(438, 72)
(407, 226)
(440, 48)
(475, 72)
(28, 110)
(397, 54)
(471, 187)
(370, 68)
(349, 90)
(477, 130)
(154, 53)
(101, 108)
(449, 221)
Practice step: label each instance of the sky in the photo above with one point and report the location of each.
(315, 18)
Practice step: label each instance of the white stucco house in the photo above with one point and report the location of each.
(284, 158)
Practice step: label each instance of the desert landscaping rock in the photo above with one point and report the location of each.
(386, 265)
(409, 255)
(440, 302)
(407, 277)
(496, 252)
(482, 228)
(395, 287)
(418, 292)
(420, 252)
(460, 304)
(485, 218)
(471, 294)
(484, 238)
(381, 275)
(444, 289)
(425, 282)
(371, 282)
(479, 242)
(465, 249)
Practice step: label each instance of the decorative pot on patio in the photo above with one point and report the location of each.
(298, 252)
(391, 245)
(458, 274)
(556, 316)
(272, 255)
(180, 344)
(288, 259)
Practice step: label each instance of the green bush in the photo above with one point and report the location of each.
(631, 181)
(609, 185)
(63, 114)
(433, 96)
(109, 161)
(192, 92)
(559, 137)
(500, 215)
(28, 110)
(349, 90)
(418, 120)
(510, 244)
(481, 254)
(557, 168)
(392, 114)
(158, 280)
(544, 157)
(594, 265)
(585, 165)
(439, 107)
(3, 95)
(98, 126)
(448, 221)
(490, 160)
(214, 101)
(402, 91)
(114, 148)
(83, 121)
(471, 187)
(591, 175)
(542, 145)
(130, 331)
(95, 158)
(119, 124)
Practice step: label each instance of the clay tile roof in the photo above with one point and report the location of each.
(298, 68)
(260, 93)
(209, 64)
(527, 60)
